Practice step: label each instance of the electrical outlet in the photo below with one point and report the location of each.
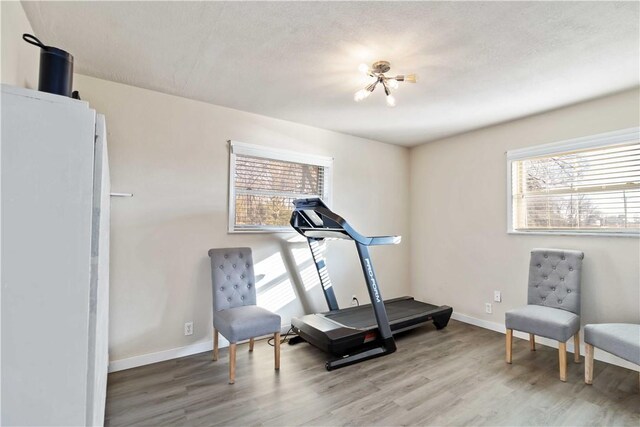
(497, 296)
(487, 308)
(188, 328)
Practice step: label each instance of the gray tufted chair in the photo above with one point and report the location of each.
(619, 339)
(235, 313)
(553, 309)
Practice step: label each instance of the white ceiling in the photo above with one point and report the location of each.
(478, 63)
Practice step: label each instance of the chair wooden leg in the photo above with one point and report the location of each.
(532, 342)
(588, 363)
(251, 341)
(576, 347)
(276, 349)
(215, 344)
(509, 344)
(562, 357)
(232, 363)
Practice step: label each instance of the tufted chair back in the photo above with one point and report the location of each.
(232, 278)
(554, 278)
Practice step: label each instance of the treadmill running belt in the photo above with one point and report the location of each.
(362, 317)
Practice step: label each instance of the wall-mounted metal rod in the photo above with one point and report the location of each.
(121, 194)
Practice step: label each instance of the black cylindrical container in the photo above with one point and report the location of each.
(56, 71)
(56, 68)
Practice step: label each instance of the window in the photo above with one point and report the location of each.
(264, 182)
(582, 186)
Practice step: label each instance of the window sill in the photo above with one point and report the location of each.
(575, 233)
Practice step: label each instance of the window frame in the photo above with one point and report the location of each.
(260, 151)
(593, 141)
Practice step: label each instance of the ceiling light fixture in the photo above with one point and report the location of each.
(377, 71)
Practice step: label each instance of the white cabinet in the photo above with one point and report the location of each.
(54, 260)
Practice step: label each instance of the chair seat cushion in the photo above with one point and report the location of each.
(548, 322)
(249, 321)
(619, 339)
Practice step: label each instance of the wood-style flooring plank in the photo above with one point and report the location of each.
(456, 376)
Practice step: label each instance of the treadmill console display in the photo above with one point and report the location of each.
(312, 218)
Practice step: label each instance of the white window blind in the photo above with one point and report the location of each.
(595, 189)
(264, 183)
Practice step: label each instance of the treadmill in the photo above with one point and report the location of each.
(354, 334)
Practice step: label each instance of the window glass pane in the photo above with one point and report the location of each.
(265, 189)
(594, 190)
(256, 211)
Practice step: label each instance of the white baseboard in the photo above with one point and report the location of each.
(499, 327)
(173, 353)
(160, 356)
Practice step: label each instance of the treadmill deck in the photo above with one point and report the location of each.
(399, 309)
(340, 332)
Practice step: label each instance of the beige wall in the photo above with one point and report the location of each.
(172, 154)
(19, 59)
(460, 249)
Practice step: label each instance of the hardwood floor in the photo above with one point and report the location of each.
(456, 376)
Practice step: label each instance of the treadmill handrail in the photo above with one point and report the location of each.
(322, 210)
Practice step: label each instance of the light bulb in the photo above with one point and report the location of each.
(392, 83)
(411, 78)
(391, 101)
(363, 68)
(361, 94)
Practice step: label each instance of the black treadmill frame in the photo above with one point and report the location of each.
(334, 226)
